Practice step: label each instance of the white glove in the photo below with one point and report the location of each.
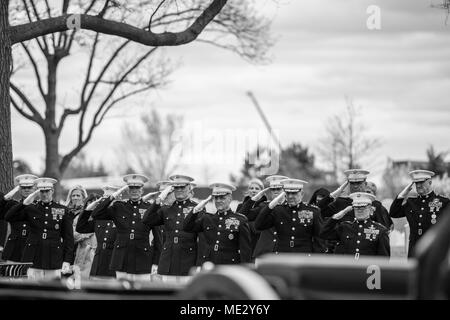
(336, 193)
(149, 195)
(29, 200)
(11, 194)
(163, 195)
(202, 204)
(259, 195)
(93, 204)
(119, 192)
(154, 269)
(406, 191)
(342, 213)
(279, 199)
(65, 268)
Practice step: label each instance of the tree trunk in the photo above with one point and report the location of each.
(52, 159)
(6, 162)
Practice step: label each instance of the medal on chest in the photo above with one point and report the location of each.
(434, 206)
(186, 211)
(232, 222)
(57, 214)
(141, 212)
(305, 215)
(371, 233)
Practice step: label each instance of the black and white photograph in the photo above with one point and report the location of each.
(204, 150)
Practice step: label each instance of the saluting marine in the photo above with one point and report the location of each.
(19, 230)
(132, 256)
(50, 244)
(227, 234)
(422, 211)
(360, 236)
(296, 223)
(179, 253)
(335, 202)
(105, 234)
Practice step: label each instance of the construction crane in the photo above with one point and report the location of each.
(264, 119)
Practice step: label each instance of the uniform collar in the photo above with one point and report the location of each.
(294, 207)
(430, 194)
(135, 202)
(181, 202)
(224, 213)
(365, 221)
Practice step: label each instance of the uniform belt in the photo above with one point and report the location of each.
(45, 236)
(133, 236)
(183, 235)
(104, 245)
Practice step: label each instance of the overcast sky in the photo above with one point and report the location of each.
(400, 75)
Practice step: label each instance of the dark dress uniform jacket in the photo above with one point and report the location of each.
(179, 253)
(296, 226)
(328, 207)
(105, 233)
(50, 242)
(250, 209)
(357, 237)
(227, 236)
(19, 232)
(268, 238)
(132, 251)
(419, 212)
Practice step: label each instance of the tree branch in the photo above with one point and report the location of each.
(32, 30)
(154, 12)
(21, 111)
(36, 71)
(37, 117)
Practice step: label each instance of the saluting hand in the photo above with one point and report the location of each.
(342, 213)
(277, 200)
(149, 195)
(164, 194)
(11, 194)
(336, 193)
(29, 200)
(202, 204)
(259, 195)
(406, 191)
(119, 192)
(93, 204)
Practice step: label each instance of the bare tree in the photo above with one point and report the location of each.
(346, 143)
(109, 82)
(149, 146)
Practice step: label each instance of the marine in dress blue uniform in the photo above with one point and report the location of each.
(50, 244)
(422, 211)
(19, 230)
(360, 236)
(132, 256)
(335, 202)
(179, 253)
(227, 234)
(296, 223)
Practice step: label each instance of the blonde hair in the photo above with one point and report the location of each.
(257, 182)
(69, 195)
